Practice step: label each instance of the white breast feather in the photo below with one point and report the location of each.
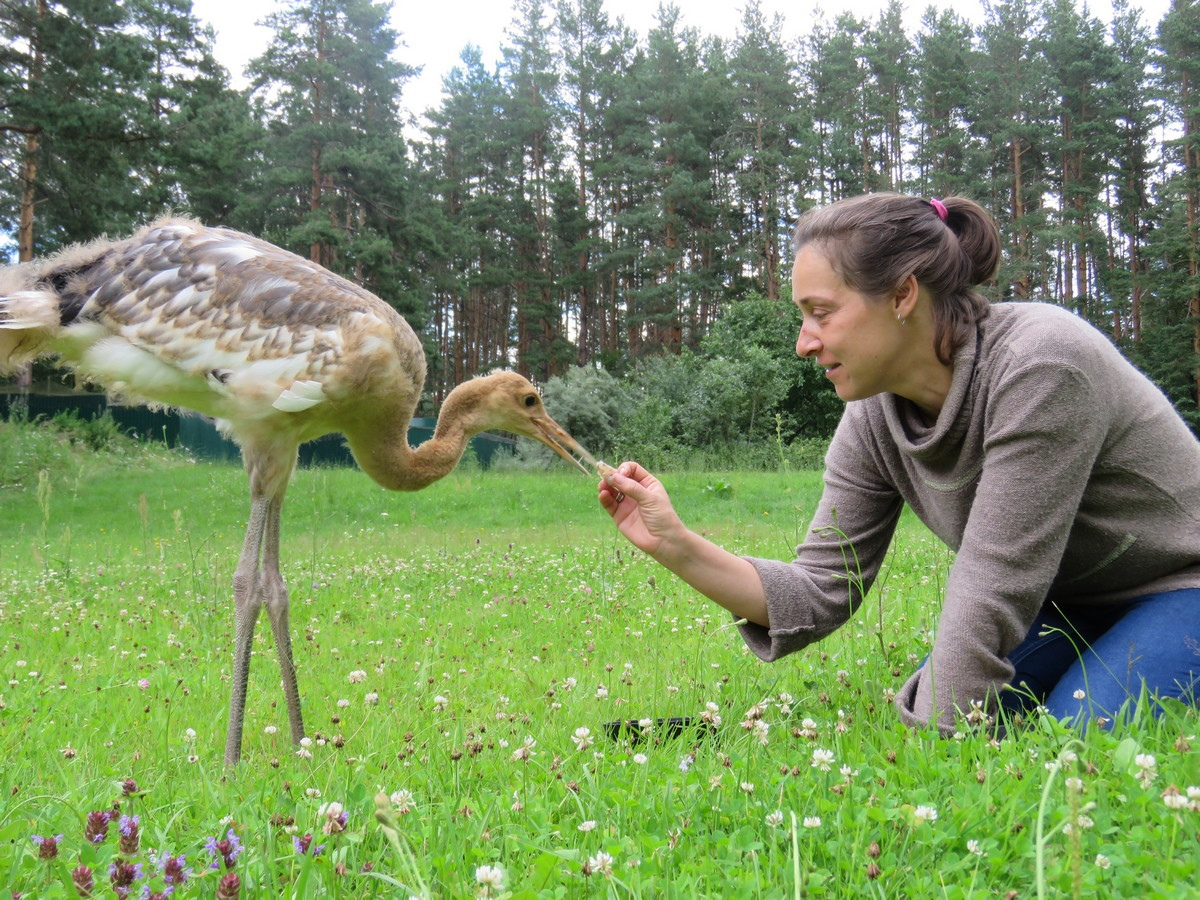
(300, 396)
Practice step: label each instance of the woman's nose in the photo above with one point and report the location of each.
(806, 344)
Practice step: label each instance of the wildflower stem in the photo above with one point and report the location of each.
(1042, 837)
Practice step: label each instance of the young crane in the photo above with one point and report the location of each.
(279, 351)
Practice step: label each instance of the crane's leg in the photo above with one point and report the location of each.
(247, 601)
(275, 596)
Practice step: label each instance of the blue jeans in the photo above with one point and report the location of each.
(1085, 663)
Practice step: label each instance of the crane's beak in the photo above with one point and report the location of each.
(556, 438)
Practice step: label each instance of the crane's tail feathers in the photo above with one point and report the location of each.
(300, 396)
(29, 320)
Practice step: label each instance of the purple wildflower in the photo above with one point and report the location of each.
(130, 837)
(96, 830)
(47, 846)
(173, 868)
(123, 874)
(83, 880)
(229, 887)
(304, 845)
(225, 852)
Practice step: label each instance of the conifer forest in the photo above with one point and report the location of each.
(621, 202)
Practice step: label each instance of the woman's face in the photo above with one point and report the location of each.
(856, 339)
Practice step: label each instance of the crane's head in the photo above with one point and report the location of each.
(508, 402)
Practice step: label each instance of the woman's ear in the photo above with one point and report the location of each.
(905, 299)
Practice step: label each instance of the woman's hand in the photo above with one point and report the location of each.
(640, 507)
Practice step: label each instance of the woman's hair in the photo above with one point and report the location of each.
(874, 242)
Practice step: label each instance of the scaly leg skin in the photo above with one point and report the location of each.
(275, 596)
(247, 601)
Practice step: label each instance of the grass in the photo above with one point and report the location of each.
(460, 653)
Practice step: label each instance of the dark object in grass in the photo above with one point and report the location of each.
(672, 727)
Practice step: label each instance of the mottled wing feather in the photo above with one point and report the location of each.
(209, 300)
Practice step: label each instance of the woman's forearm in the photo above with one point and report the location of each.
(724, 578)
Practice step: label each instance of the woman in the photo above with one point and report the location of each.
(1063, 479)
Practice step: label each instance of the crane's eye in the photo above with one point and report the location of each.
(530, 401)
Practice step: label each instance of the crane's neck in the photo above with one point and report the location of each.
(391, 462)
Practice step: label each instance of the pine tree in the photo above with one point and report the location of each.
(1011, 113)
(331, 91)
(533, 115)
(1082, 66)
(760, 145)
(1125, 277)
(470, 167)
(946, 157)
(1179, 34)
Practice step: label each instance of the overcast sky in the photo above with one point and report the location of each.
(435, 31)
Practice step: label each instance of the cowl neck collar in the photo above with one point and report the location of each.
(906, 421)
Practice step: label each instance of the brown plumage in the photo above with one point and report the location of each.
(279, 351)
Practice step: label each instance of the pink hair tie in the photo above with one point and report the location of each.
(940, 208)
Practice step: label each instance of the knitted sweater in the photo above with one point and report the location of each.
(1055, 471)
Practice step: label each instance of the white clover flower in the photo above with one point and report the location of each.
(812, 822)
(440, 703)
(270, 729)
(357, 676)
(1145, 761)
(1079, 694)
(775, 819)
(973, 847)
(760, 730)
(1175, 800)
(312, 793)
(189, 736)
(490, 878)
(587, 826)
(601, 862)
(583, 738)
(822, 759)
(372, 699)
(1075, 784)
(925, 814)
(747, 787)
(525, 751)
(403, 801)
(640, 758)
(1102, 861)
(343, 704)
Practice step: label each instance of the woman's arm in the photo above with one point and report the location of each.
(645, 516)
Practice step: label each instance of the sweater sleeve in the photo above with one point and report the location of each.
(1045, 428)
(818, 591)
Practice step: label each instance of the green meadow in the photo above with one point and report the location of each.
(462, 653)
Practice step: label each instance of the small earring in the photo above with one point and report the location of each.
(901, 319)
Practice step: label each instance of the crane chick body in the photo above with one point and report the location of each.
(279, 351)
